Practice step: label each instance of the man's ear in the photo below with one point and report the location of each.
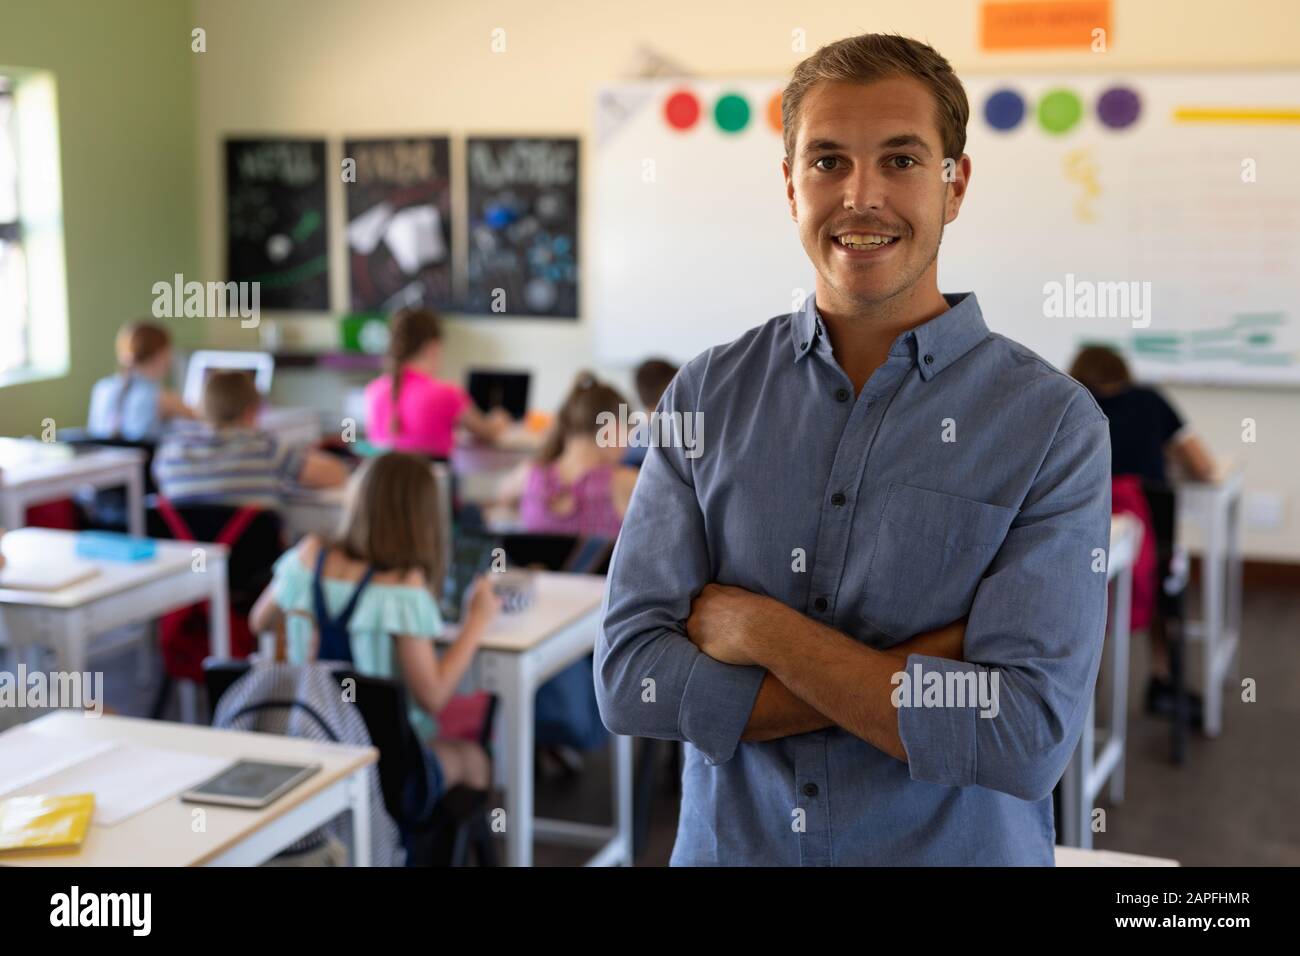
(958, 182)
(789, 190)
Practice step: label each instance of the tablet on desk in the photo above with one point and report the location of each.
(250, 783)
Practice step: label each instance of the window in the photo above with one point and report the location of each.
(14, 313)
(33, 279)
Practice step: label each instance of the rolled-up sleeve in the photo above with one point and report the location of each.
(1037, 622)
(651, 681)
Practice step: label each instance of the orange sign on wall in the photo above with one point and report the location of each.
(1043, 24)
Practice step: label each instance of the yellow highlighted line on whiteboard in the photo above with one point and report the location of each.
(1190, 114)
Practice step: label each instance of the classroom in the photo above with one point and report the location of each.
(442, 433)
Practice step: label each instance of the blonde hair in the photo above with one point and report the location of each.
(391, 519)
(879, 56)
(578, 415)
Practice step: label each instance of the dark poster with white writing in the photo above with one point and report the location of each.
(399, 222)
(275, 220)
(523, 226)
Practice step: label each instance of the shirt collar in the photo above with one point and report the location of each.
(934, 345)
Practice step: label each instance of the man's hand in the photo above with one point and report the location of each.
(725, 621)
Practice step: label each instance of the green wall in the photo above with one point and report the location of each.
(125, 76)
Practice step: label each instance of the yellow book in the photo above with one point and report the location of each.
(30, 823)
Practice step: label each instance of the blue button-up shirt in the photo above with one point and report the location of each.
(968, 478)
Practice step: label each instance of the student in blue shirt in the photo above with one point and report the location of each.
(652, 378)
(136, 403)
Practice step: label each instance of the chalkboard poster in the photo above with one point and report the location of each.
(399, 222)
(276, 223)
(523, 226)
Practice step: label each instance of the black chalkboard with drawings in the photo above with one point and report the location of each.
(277, 228)
(399, 222)
(523, 226)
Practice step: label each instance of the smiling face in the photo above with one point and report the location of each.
(866, 186)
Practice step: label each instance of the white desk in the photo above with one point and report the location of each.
(306, 511)
(33, 472)
(1088, 770)
(121, 593)
(1073, 856)
(164, 834)
(520, 653)
(1216, 508)
(292, 426)
(481, 467)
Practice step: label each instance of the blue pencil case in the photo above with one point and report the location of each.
(112, 546)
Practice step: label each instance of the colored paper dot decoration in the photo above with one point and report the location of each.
(1004, 110)
(731, 113)
(1059, 110)
(1119, 107)
(774, 112)
(682, 110)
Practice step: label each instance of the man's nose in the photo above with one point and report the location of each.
(864, 189)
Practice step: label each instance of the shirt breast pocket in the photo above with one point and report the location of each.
(931, 551)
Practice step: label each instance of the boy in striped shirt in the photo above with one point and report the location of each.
(226, 459)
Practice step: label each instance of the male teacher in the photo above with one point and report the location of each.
(872, 601)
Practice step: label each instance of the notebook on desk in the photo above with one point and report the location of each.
(45, 576)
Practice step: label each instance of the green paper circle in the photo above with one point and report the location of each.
(1059, 110)
(731, 113)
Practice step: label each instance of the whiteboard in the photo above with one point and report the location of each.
(1156, 212)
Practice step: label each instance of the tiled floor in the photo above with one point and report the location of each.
(1235, 802)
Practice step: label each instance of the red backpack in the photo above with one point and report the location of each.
(185, 640)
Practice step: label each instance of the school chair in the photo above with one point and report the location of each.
(255, 540)
(106, 510)
(445, 835)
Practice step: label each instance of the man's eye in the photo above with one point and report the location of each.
(826, 159)
(910, 161)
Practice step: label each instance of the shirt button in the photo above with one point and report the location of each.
(842, 395)
(810, 789)
(803, 347)
(838, 499)
(820, 604)
(929, 359)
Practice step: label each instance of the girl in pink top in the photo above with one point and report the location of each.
(577, 485)
(410, 409)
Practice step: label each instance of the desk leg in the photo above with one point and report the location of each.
(1212, 677)
(359, 797)
(517, 712)
(13, 511)
(1119, 650)
(72, 638)
(622, 771)
(218, 608)
(135, 501)
(1234, 584)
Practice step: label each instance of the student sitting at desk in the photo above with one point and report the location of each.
(135, 404)
(374, 582)
(1144, 429)
(652, 379)
(227, 460)
(410, 408)
(577, 485)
